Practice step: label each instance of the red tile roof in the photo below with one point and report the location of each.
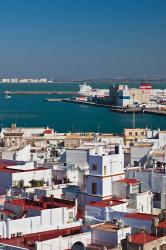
(130, 181)
(142, 238)
(11, 162)
(12, 170)
(7, 212)
(29, 240)
(140, 216)
(43, 203)
(106, 203)
(48, 131)
(162, 224)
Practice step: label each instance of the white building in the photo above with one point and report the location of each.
(109, 234)
(103, 210)
(22, 175)
(103, 170)
(123, 96)
(38, 216)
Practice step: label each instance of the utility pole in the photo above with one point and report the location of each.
(133, 113)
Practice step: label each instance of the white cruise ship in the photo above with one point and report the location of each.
(87, 90)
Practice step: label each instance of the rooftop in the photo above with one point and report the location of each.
(134, 129)
(109, 227)
(48, 131)
(12, 170)
(141, 145)
(162, 224)
(129, 181)
(43, 203)
(11, 166)
(141, 216)
(29, 240)
(163, 132)
(6, 162)
(110, 136)
(159, 152)
(142, 238)
(79, 136)
(106, 203)
(6, 212)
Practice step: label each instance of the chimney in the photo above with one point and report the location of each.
(128, 237)
(120, 224)
(14, 126)
(155, 222)
(76, 206)
(154, 227)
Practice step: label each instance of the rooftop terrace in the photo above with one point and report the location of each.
(109, 227)
(106, 203)
(142, 238)
(29, 240)
(140, 216)
(43, 203)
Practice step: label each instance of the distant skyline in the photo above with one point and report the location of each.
(79, 39)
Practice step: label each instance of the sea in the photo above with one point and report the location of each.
(34, 111)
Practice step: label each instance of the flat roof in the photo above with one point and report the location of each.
(109, 227)
(143, 145)
(12, 170)
(129, 181)
(134, 129)
(162, 224)
(141, 216)
(29, 240)
(6, 212)
(163, 132)
(106, 203)
(7, 162)
(110, 136)
(41, 204)
(142, 238)
(75, 136)
(159, 152)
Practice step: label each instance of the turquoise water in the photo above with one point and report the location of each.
(32, 110)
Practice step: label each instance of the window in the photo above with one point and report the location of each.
(94, 167)
(94, 188)
(130, 133)
(163, 247)
(105, 170)
(136, 163)
(136, 133)
(1, 216)
(70, 215)
(116, 149)
(142, 133)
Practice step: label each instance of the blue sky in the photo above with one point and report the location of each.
(83, 38)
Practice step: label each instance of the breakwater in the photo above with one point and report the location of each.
(41, 92)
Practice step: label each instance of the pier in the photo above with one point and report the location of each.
(125, 110)
(155, 112)
(54, 99)
(118, 109)
(87, 103)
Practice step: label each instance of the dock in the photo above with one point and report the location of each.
(118, 109)
(125, 110)
(87, 103)
(54, 99)
(155, 112)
